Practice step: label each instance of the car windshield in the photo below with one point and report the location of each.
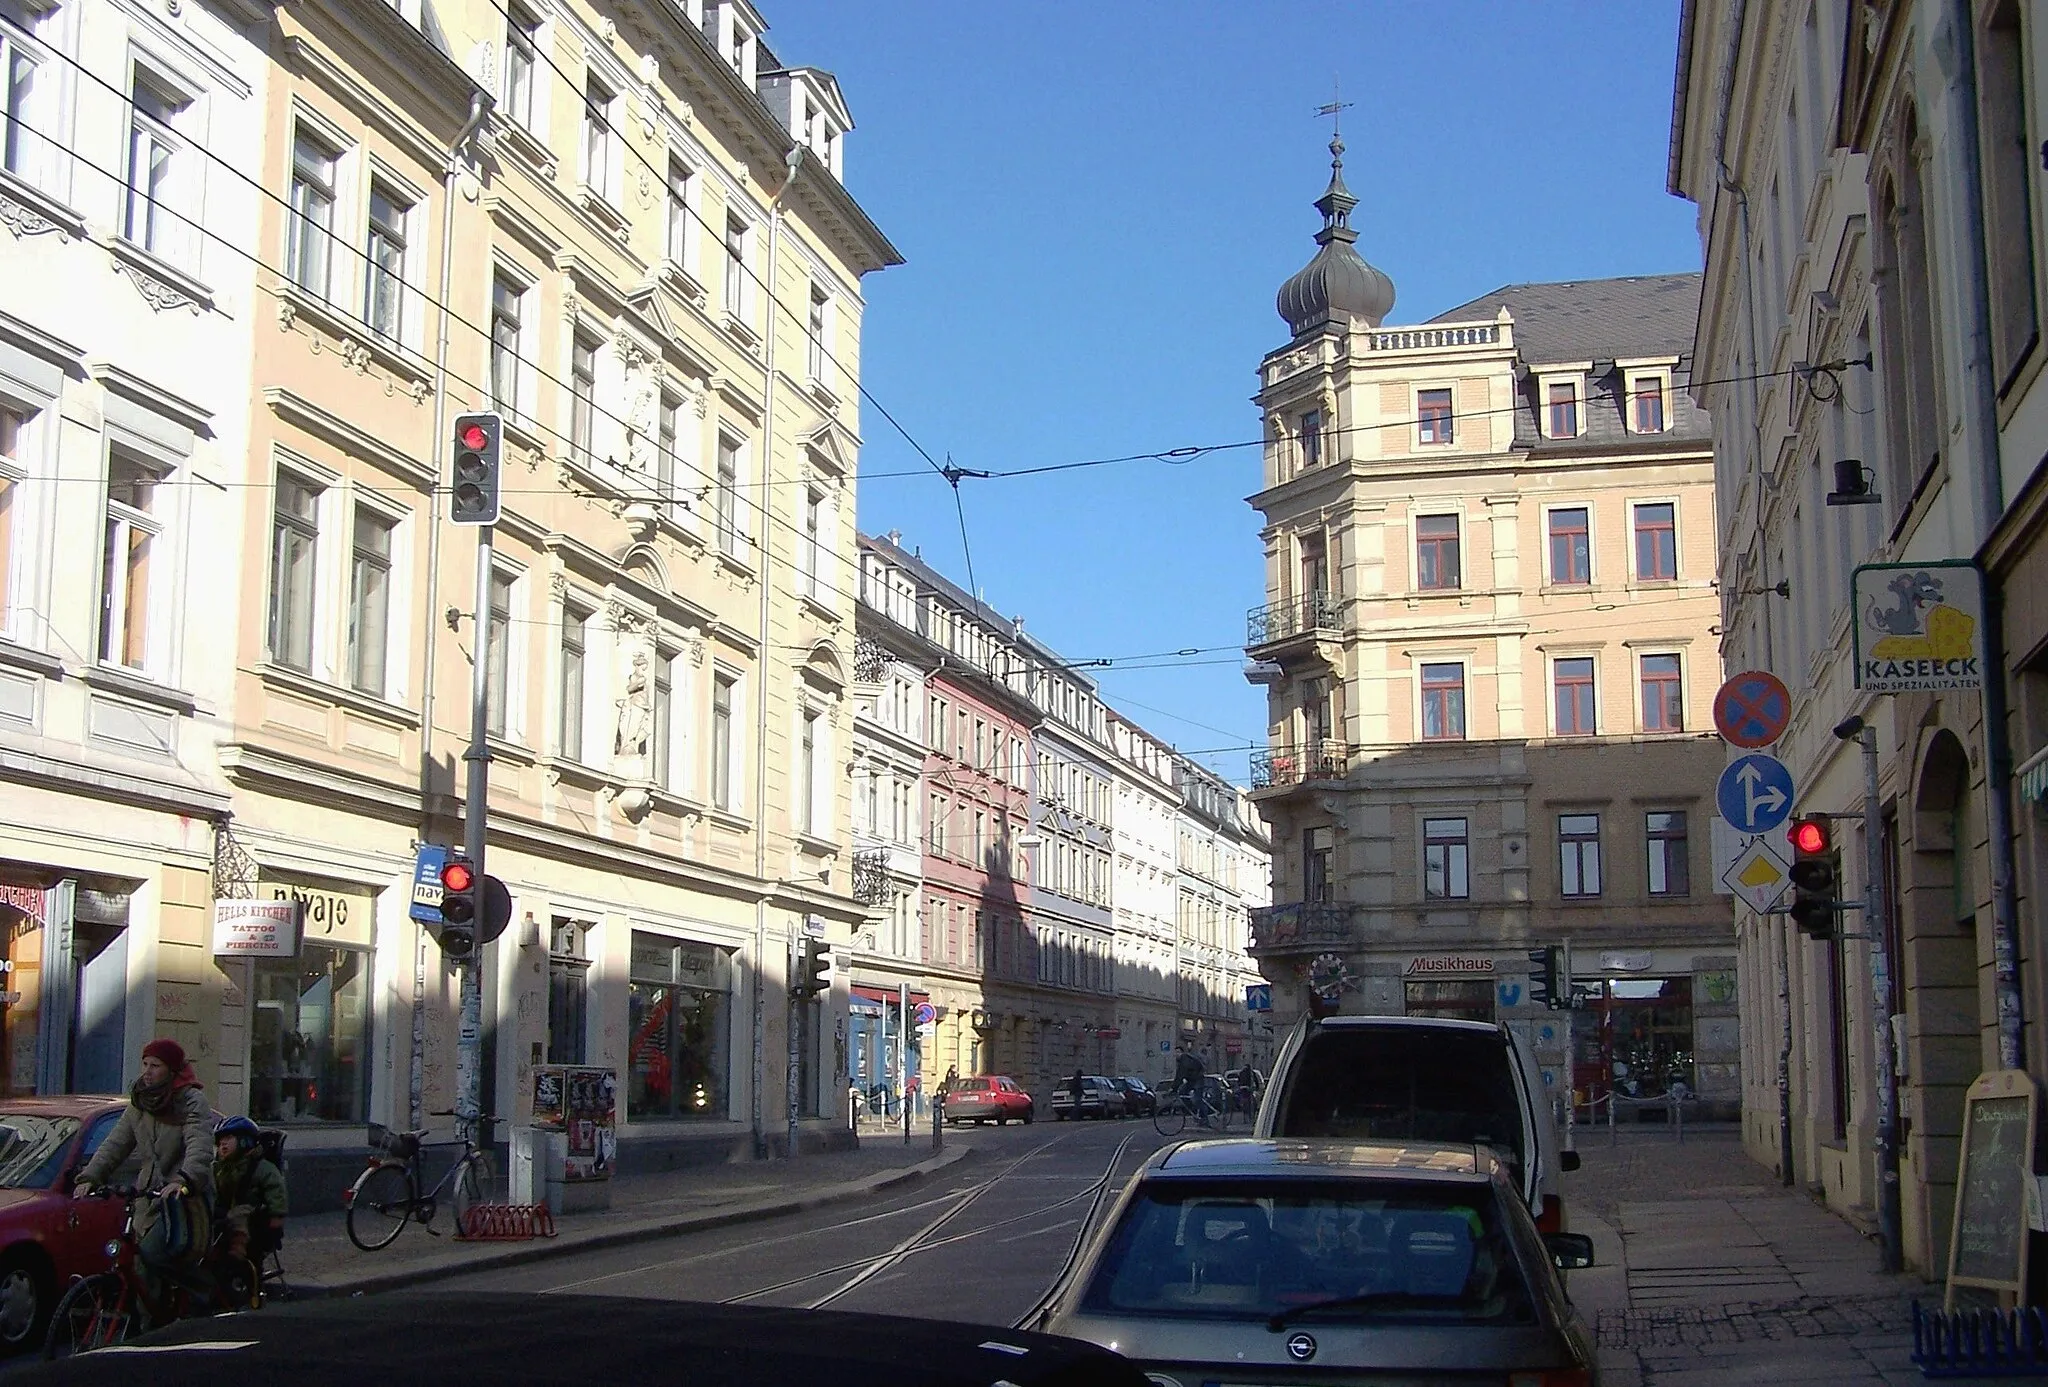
(1404, 1084)
(974, 1085)
(1391, 1251)
(31, 1149)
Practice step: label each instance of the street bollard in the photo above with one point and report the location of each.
(939, 1126)
(853, 1111)
(1613, 1136)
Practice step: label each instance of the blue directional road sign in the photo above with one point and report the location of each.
(1258, 997)
(426, 883)
(1755, 793)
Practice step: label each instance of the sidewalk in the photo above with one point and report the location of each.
(320, 1260)
(1710, 1271)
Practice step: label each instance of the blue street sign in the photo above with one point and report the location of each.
(1755, 793)
(1259, 997)
(426, 883)
(1510, 993)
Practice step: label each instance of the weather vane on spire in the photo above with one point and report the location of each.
(1334, 108)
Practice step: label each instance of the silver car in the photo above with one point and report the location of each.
(1255, 1261)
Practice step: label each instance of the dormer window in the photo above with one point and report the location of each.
(1647, 412)
(738, 54)
(1561, 409)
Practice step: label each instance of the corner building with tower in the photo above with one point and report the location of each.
(1489, 647)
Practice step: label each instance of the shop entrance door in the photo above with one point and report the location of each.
(100, 1045)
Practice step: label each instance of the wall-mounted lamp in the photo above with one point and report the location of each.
(1853, 484)
(1783, 587)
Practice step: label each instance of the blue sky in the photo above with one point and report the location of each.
(1097, 203)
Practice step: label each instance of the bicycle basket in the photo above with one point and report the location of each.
(399, 1144)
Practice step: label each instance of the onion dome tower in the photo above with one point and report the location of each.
(1337, 285)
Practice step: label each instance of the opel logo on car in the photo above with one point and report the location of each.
(1302, 1347)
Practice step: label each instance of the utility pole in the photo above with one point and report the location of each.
(798, 1000)
(469, 1053)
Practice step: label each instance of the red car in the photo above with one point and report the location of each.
(46, 1236)
(988, 1098)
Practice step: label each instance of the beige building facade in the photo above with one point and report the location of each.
(1490, 653)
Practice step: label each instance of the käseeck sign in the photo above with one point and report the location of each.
(1919, 627)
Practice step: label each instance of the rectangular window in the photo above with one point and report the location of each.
(1443, 702)
(1312, 439)
(522, 50)
(1656, 542)
(1571, 550)
(309, 1035)
(12, 424)
(2002, 110)
(582, 396)
(1446, 860)
(1578, 853)
(507, 303)
(568, 990)
(1316, 849)
(1670, 874)
(1663, 694)
(498, 671)
(940, 808)
(156, 160)
(1436, 552)
(1433, 416)
(312, 215)
(597, 136)
(815, 349)
(369, 601)
(679, 1024)
(384, 290)
(668, 427)
(678, 229)
(721, 740)
(808, 750)
(735, 264)
(1646, 404)
(1573, 680)
(661, 738)
(1562, 411)
(294, 541)
(27, 93)
(131, 534)
(727, 497)
(575, 628)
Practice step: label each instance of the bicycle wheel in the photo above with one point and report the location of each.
(379, 1205)
(1170, 1117)
(92, 1314)
(470, 1179)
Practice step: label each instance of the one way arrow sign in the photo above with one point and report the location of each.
(1755, 793)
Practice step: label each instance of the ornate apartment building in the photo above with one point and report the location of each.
(1489, 648)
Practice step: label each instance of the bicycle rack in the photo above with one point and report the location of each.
(506, 1223)
(1980, 1343)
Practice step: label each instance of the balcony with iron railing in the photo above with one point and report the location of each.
(1297, 765)
(1312, 613)
(871, 876)
(1300, 925)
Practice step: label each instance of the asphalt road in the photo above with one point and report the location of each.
(980, 1242)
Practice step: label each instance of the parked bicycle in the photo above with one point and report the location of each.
(387, 1195)
(1207, 1105)
(114, 1306)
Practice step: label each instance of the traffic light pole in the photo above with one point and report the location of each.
(797, 1001)
(1875, 931)
(469, 1053)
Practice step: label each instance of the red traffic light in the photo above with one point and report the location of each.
(457, 877)
(1809, 836)
(474, 437)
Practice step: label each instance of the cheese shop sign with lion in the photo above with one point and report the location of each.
(1919, 627)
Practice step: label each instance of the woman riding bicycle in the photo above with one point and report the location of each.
(168, 1121)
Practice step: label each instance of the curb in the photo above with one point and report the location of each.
(545, 1249)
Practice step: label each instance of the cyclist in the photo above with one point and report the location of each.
(248, 1191)
(1188, 1083)
(168, 1121)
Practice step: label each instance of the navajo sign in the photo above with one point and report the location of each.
(1919, 627)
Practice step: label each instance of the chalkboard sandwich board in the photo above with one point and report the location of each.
(1989, 1246)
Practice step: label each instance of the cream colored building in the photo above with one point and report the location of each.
(1489, 648)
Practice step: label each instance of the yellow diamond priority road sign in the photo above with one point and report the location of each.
(1758, 876)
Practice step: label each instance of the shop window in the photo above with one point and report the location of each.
(679, 1020)
(1638, 1040)
(1458, 999)
(568, 990)
(309, 1047)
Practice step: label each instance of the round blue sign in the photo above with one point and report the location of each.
(1755, 793)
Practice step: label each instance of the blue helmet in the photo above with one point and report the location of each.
(239, 1127)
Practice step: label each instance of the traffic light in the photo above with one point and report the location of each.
(1813, 876)
(1543, 977)
(459, 892)
(814, 969)
(478, 444)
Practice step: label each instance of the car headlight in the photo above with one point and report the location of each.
(113, 1248)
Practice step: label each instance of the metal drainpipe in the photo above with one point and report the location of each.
(756, 1106)
(479, 110)
(1956, 54)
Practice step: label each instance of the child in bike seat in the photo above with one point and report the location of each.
(249, 1193)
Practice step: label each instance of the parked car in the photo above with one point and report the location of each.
(1139, 1101)
(1251, 1260)
(1099, 1098)
(989, 1098)
(46, 1236)
(1420, 1078)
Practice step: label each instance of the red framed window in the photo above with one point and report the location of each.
(1571, 548)
(1443, 702)
(1574, 683)
(1563, 411)
(1436, 551)
(1656, 542)
(1433, 415)
(1647, 404)
(1663, 694)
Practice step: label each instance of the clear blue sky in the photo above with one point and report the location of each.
(1097, 203)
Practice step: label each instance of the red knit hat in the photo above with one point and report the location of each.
(167, 1050)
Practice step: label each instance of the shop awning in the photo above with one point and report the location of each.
(2033, 777)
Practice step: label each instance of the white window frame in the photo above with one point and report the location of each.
(1576, 379)
(20, 528)
(729, 509)
(572, 734)
(34, 153)
(513, 642)
(312, 530)
(1636, 503)
(734, 800)
(585, 347)
(409, 203)
(363, 501)
(811, 785)
(168, 214)
(679, 230)
(118, 521)
(526, 109)
(518, 409)
(668, 727)
(738, 290)
(1461, 658)
(1654, 652)
(598, 136)
(310, 260)
(817, 332)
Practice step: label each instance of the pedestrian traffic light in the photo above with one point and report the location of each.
(1544, 966)
(459, 884)
(473, 499)
(814, 969)
(1813, 876)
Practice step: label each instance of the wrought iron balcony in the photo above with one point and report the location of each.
(869, 659)
(1294, 765)
(1301, 924)
(1297, 616)
(871, 876)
